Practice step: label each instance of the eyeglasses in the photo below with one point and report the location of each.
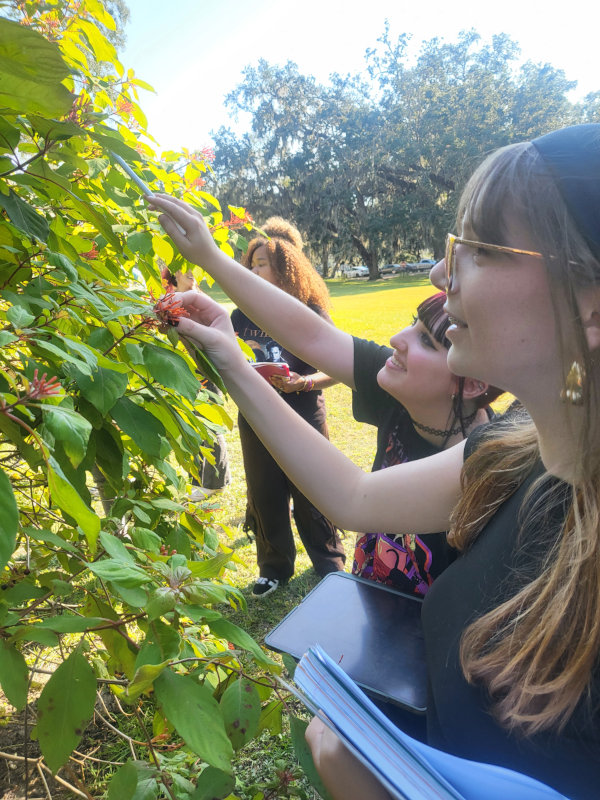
(450, 257)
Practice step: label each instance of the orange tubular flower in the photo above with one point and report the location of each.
(169, 310)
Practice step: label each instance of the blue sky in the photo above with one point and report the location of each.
(193, 51)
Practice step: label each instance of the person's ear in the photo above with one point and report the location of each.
(589, 310)
(473, 388)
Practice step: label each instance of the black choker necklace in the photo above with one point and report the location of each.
(449, 431)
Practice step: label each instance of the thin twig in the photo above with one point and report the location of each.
(74, 778)
(41, 774)
(97, 760)
(117, 731)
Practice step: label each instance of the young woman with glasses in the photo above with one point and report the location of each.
(512, 627)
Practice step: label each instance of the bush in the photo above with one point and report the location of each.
(106, 572)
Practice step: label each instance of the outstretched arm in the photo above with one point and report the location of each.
(416, 497)
(287, 320)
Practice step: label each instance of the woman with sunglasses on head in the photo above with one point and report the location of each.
(407, 391)
(512, 627)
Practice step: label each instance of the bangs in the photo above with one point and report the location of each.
(431, 313)
(495, 190)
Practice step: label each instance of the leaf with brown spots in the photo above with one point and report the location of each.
(65, 708)
(240, 706)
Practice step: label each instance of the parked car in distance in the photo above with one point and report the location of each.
(424, 265)
(391, 269)
(354, 272)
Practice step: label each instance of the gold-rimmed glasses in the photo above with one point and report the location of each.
(450, 258)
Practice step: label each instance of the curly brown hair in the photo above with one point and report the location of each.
(294, 272)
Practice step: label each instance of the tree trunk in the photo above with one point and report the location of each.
(368, 256)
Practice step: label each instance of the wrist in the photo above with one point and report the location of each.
(308, 384)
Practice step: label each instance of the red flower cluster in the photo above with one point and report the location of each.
(91, 254)
(169, 310)
(41, 387)
(208, 154)
(234, 222)
(124, 106)
(198, 183)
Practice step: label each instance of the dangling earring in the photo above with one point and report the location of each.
(573, 389)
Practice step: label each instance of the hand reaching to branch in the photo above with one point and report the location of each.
(186, 227)
(209, 327)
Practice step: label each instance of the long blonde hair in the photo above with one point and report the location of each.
(535, 653)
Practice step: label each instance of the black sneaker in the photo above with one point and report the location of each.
(264, 586)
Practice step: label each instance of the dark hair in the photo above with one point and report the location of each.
(431, 313)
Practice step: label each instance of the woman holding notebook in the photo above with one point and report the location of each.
(512, 627)
(279, 261)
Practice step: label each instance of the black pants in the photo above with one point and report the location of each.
(217, 476)
(268, 515)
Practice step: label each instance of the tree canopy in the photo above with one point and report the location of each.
(370, 167)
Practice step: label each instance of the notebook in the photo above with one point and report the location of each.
(372, 631)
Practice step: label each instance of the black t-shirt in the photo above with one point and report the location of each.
(310, 405)
(408, 562)
(458, 717)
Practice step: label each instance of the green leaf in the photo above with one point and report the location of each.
(304, 756)
(9, 520)
(145, 539)
(162, 643)
(6, 337)
(290, 663)
(123, 783)
(161, 601)
(70, 623)
(170, 370)
(140, 242)
(115, 548)
(102, 49)
(52, 538)
(102, 389)
(129, 576)
(64, 709)
(227, 630)
(19, 317)
(23, 216)
(196, 716)
(13, 675)
(240, 706)
(271, 718)
(9, 135)
(206, 367)
(210, 567)
(145, 430)
(69, 428)
(67, 498)
(143, 679)
(32, 71)
(213, 784)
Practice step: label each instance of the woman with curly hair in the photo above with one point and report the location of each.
(279, 260)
